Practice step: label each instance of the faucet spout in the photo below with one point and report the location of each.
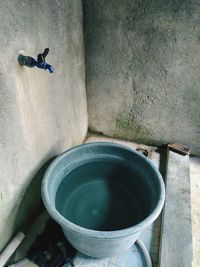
(43, 65)
(39, 63)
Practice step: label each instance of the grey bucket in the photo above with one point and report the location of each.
(103, 195)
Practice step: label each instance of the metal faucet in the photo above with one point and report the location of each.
(39, 63)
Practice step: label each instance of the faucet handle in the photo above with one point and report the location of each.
(41, 57)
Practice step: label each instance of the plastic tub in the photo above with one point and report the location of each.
(103, 195)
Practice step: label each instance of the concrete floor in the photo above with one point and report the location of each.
(195, 195)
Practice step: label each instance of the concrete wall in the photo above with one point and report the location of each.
(143, 69)
(41, 114)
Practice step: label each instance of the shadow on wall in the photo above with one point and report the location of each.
(31, 205)
(162, 150)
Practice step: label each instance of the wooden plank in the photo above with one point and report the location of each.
(176, 232)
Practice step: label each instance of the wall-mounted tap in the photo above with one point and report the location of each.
(39, 63)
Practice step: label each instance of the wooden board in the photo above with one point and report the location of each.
(176, 230)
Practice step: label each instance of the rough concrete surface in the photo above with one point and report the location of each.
(41, 114)
(143, 69)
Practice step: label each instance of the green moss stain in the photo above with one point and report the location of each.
(128, 127)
